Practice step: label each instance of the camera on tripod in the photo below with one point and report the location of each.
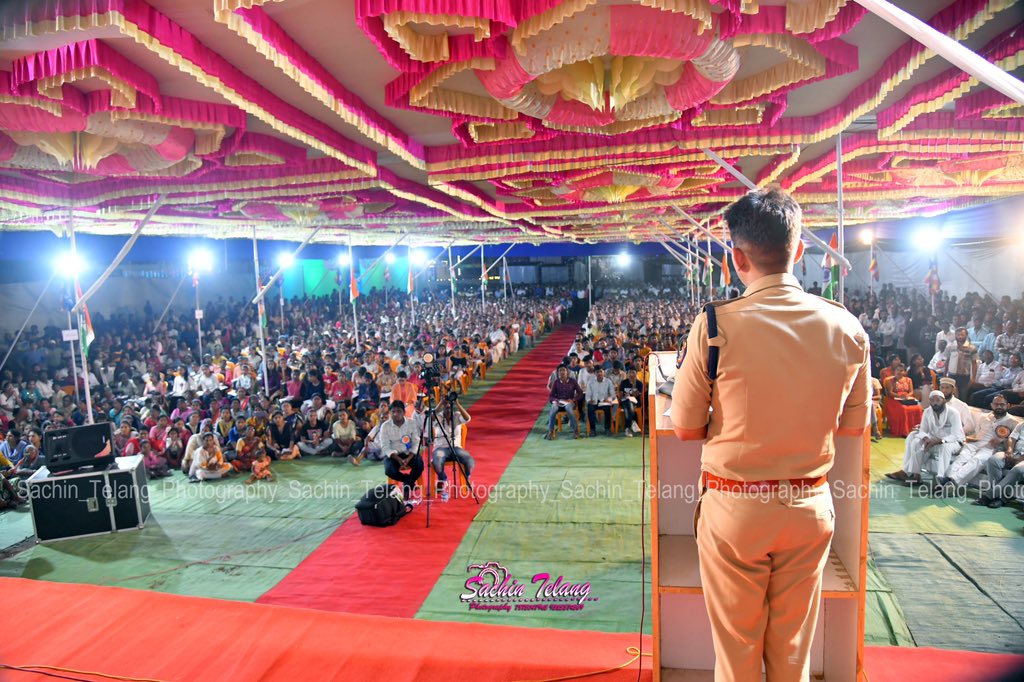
(431, 373)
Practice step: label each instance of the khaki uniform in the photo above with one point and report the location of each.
(793, 372)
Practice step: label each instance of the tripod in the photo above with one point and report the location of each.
(427, 436)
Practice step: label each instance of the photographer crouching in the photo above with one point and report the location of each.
(447, 436)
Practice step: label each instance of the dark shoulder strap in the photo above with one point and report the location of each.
(709, 312)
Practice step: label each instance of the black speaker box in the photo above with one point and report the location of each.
(80, 446)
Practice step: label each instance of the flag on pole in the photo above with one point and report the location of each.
(353, 284)
(262, 309)
(726, 277)
(387, 273)
(707, 270)
(932, 280)
(831, 274)
(412, 282)
(86, 333)
(873, 268)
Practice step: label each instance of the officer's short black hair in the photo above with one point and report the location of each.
(765, 223)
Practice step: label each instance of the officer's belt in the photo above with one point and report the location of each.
(712, 482)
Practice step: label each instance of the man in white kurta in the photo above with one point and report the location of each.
(939, 437)
(993, 430)
(949, 389)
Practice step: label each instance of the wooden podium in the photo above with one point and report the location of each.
(683, 649)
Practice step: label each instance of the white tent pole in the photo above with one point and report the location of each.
(503, 253)
(30, 314)
(380, 258)
(685, 246)
(590, 287)
(355, 317)
(471, 252)
(483, 280)
(840, 229)
(260, 311)
(168, 306)
(702, 229)
(451, 277)
(79, 318)
(815, 239)
(954, 52)
(280, 270)
(120, 255)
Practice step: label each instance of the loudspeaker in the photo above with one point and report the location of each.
(80, 446)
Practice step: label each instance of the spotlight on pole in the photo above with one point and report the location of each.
(343, 260)
(417, 257)
(286, 260)
(67, 264)
(200, 260)
(928, 238)
(389, 258)
(623, 259)
(867, 237)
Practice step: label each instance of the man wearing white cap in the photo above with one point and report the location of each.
(940, 437)
(949, 389)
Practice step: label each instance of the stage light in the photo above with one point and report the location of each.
(623, 260)
(343, 260)
(286, 260)
(417, 257)
(67, 264)
(928, 238)
(389, 258)
(867, 237)
(200, 260)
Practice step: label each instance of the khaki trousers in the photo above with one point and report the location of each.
(761, 561)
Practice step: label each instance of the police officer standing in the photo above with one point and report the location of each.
(768, 380)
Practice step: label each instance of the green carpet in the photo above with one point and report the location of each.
(218, 539)
(972, 601)
(943, 572)
(569, 508)
(897, 509)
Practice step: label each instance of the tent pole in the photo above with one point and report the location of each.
(260, 312)
(841, 296)
(81, 344)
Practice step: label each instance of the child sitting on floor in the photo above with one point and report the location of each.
(261, 467)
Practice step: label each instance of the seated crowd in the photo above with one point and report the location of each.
(960, 410)
(605, 370)
(324, 394)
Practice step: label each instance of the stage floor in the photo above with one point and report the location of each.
(941, 572)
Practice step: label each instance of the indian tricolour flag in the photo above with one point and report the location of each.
(831, 274)
(85, 331)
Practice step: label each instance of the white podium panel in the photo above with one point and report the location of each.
(683, 650)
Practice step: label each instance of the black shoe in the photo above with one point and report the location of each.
(996, 503)
(982, 501)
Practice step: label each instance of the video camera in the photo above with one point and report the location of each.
(431, 373)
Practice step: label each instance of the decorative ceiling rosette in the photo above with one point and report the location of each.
(611, 69)
(613, 64)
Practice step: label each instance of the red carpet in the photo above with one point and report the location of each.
(901, 664)
(167, 637)
(390, 571)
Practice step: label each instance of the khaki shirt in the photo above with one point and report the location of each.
(793, 372)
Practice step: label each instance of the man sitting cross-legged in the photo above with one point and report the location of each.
(400, 444)
(939, 436)
(993, 430)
